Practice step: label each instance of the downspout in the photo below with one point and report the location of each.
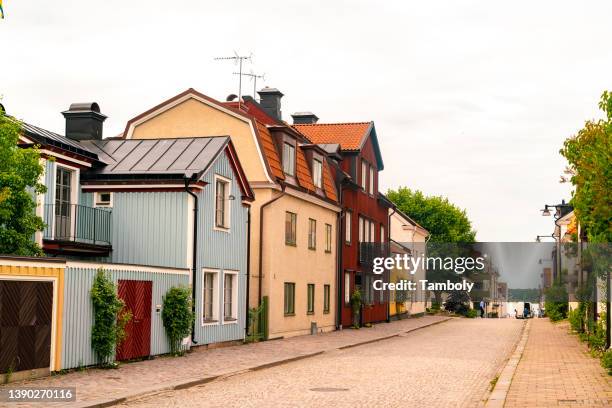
(248, 271)
(194, 256)
(388, 253)
(261, 218)
(340, 238)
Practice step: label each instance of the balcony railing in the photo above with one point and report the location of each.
(77, 223)
(370, 250)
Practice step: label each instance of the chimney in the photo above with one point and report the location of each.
(304, 118)
(84, 121)
(271, 102)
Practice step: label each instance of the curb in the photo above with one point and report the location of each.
(497, 397)
(192, 382)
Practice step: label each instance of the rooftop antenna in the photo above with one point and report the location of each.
(238, 59)
(254, 77)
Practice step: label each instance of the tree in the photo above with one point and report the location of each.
(589, 154)
(448, 226)
(20, 172)
(177, 316)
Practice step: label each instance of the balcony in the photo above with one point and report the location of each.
(73, 229)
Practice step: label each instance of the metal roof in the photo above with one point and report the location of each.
(147, 157)
(47, 137)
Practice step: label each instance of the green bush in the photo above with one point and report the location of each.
(556, 304)
(596, 335)
(606, 361)
(110, 317)
(576, 319)
(177, 316)
(435, 306)
(471, 313)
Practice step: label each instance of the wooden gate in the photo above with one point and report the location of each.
(25, 325)
(137, 298)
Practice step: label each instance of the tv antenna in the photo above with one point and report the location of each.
(238, 59)
(254, 77)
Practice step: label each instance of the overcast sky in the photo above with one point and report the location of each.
(471, 99)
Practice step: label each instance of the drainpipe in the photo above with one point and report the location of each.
(340, 238)
(388, 241)
(248, 270)
(194, 255)
(261, 219)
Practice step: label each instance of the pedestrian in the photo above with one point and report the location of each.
(482, 308)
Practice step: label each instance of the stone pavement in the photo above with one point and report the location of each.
(556, 370)
(97, 387)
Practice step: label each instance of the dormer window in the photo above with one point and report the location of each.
(289, 159)
(364, 175)
(317, 173)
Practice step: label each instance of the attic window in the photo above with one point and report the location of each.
(317, 173)
(104, 199)
(289, 159)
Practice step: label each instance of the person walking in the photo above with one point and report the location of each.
(482, 309)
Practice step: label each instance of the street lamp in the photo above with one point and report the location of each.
(558, 214)
(539, 237)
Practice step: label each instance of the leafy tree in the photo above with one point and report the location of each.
(589, 154)
(177, 316)
(449, 228)
(20, 171)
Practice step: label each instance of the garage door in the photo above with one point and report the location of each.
(25, 325)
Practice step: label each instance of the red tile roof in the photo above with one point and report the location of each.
(269, 150)
(328, 182)
(302, 171)
(349, 136)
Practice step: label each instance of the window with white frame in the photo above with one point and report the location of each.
(382, 233)
(347, 287)
(230, 296)
(317, 173)
(348, 226)
(289, 159)
(222, 202)
(103, 199)
(210, 296)
(366, 230)
(328, 238)
(371, 185)
(364, 175)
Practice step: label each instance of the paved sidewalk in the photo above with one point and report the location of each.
(101, 387)
(556, 370)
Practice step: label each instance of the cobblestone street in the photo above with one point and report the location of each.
(446, 365)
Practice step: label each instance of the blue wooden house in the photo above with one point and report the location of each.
(154, 214)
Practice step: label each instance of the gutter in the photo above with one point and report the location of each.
(248, 271)
(261, 223)
(340, 238)
(194, 256)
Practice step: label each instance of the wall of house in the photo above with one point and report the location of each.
(193, 118)
(78, 308)
(149, 228)
(222, 251)
(300, 265)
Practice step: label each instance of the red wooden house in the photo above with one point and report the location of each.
(365, 210)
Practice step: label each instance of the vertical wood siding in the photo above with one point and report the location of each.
(221, 250)
(78, 310)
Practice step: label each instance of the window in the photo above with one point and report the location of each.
(230, 298)
(63, 203)
(347, 287)
(328, 238)
(364, 174)
(210, 296)
(290, 228)
(366, 230)
(317, 170)
(312, 234)
(311, 298)
(383, 237)
(348, 226)
(371, 185)
(104, 199)
(289, 298)
(222, 200)
(289, 159)
(326, 294)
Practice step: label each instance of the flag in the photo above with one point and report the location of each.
(1, 10)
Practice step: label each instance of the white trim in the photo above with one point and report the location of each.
(226, 202)
(126, 267)
(96, 187)
(95, 200)
(235, 289)
(216, 297)
(218, 106)
(54, 305)
(63, 157)
(311, 199)
(24, 139)
(40, 203)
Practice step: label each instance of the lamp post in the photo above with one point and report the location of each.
(558, 214)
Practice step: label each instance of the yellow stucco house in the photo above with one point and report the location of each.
(294, 217)
(407, 237)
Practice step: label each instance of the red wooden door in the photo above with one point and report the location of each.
(137, 298)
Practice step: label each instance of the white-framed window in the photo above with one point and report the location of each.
(317, 173)
(347, 287)
(103, 199)
(366, 230)
(364, 175)
(230, 296)
(312, 234)
(371, 185)
(289, 159)
(210, 296)
(328, 238)
(222, 203)
(348, 226)
(66, 198)
(382, 234)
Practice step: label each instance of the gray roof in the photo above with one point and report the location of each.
(46, 137)
(182, 157)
